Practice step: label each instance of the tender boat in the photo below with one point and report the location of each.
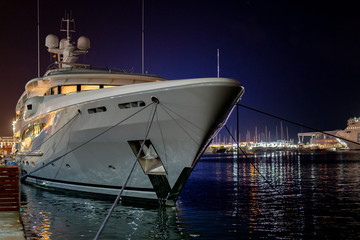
(82, 129)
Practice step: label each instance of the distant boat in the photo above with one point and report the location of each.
(349, 138)
(352, 133)
(81, 129)
(221, 150)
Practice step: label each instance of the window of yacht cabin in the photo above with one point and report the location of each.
(54, 90)
(38, 127)
(89, 87)
(68, 89)
(26, 133)
(109, 86)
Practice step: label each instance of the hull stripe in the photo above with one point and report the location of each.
(93, 185)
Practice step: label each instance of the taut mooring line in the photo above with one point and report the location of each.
(298, 124)
(156, 101)
(239, 148)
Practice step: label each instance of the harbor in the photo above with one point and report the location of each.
(335, 140)
(223, 199)
(249, 188)
(246, 192)
(179, 120)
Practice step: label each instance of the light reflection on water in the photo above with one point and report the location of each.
(295, 196)
(50, 215)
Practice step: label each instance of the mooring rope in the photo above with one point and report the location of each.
(167, 110)
(81, 145)
(275, 189)
(102, 227)
(246, 157)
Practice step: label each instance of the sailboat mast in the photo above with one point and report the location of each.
(142, 38)
(218, 63)
(38, 35)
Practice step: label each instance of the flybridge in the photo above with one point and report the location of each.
(67, 53)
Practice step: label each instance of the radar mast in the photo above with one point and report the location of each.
(66, 51)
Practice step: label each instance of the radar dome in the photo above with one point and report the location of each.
(51, 41)
(83, 43)
(63, 43)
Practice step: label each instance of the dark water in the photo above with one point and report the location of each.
(273, 196)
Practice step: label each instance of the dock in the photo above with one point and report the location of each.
(11, 227)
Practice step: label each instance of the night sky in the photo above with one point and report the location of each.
(297, 59)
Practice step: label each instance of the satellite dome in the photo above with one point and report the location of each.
(83, 43)
(51, 41)
(63, 43)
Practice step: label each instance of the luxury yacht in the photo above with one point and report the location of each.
(83, 129)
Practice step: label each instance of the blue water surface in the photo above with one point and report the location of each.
(279, 195)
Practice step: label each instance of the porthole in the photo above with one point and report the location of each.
(97, 110)
(92, 110)
(131, 104)
(124, 105)
(101, 109)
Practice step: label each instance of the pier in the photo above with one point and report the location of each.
(11, 227)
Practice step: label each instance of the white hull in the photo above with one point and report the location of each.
(188, 115)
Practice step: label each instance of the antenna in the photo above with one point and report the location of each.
(218, 63)
(142, 38)
(38, 35)
(69, 25)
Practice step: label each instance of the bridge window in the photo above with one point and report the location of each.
(109, 86)
(54, 90)
(89, 87)
(68, 89)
